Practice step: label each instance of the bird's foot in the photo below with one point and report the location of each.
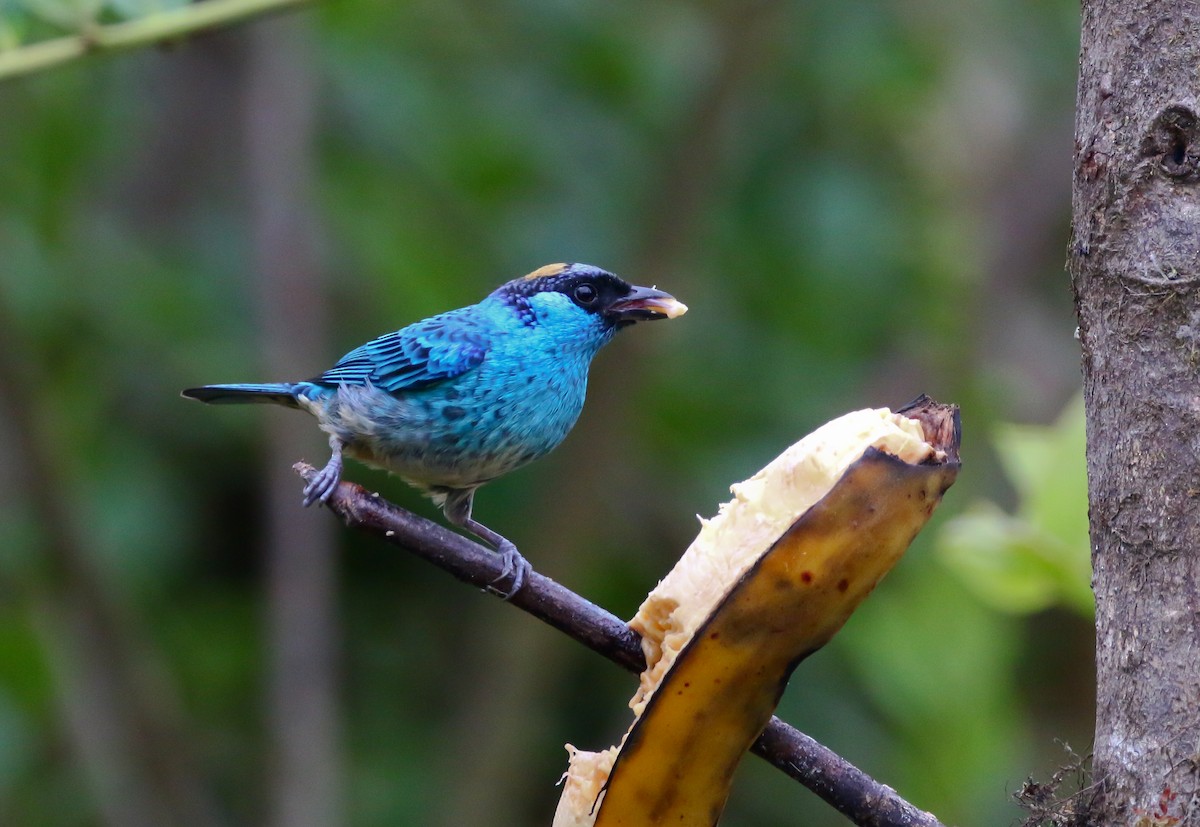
(457, 508)
(322, 484)
(516, 571)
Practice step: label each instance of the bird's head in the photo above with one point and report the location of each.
(585, 297)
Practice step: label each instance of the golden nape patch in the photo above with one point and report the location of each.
(547, 270)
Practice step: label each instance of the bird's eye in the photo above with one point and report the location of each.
(585, 293)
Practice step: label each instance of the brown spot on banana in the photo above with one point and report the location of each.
(769, 580)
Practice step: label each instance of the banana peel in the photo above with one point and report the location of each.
(767, 582)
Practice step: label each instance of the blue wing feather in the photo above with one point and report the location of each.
(429, 351)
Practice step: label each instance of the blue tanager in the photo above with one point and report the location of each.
(459, 399)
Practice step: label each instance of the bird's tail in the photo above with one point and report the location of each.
(275, 393)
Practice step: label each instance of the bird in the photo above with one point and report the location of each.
(456, 400)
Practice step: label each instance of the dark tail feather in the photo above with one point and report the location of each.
(275, 393)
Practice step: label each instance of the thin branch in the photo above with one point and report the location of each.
(852, 792)
(154, 28)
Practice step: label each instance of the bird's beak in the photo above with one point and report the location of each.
(644, 304)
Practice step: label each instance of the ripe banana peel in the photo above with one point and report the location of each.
(768, 581)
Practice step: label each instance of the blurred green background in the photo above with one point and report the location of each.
(859, 201)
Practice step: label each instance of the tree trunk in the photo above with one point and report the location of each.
(1135, 267)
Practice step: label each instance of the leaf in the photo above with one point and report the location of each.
(134, 9)
(71, 15)
(1038, 557)
(10, 35)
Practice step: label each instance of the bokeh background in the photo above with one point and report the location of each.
(859, 201)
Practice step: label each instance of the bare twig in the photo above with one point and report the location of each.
(852, 792)
(145, 31)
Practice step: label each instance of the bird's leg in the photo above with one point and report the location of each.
(515, 564)
(324, 481)
(457, 509)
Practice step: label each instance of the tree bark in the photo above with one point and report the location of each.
(1135, 267)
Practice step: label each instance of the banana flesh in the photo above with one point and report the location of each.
(768, 580)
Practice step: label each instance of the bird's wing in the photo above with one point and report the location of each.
(428, 351)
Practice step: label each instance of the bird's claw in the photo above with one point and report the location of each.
(322, 484)
(516, 567)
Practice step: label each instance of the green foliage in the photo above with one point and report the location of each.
(954, 718)
(26, 21)
(1038, 557)
(820, 184)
